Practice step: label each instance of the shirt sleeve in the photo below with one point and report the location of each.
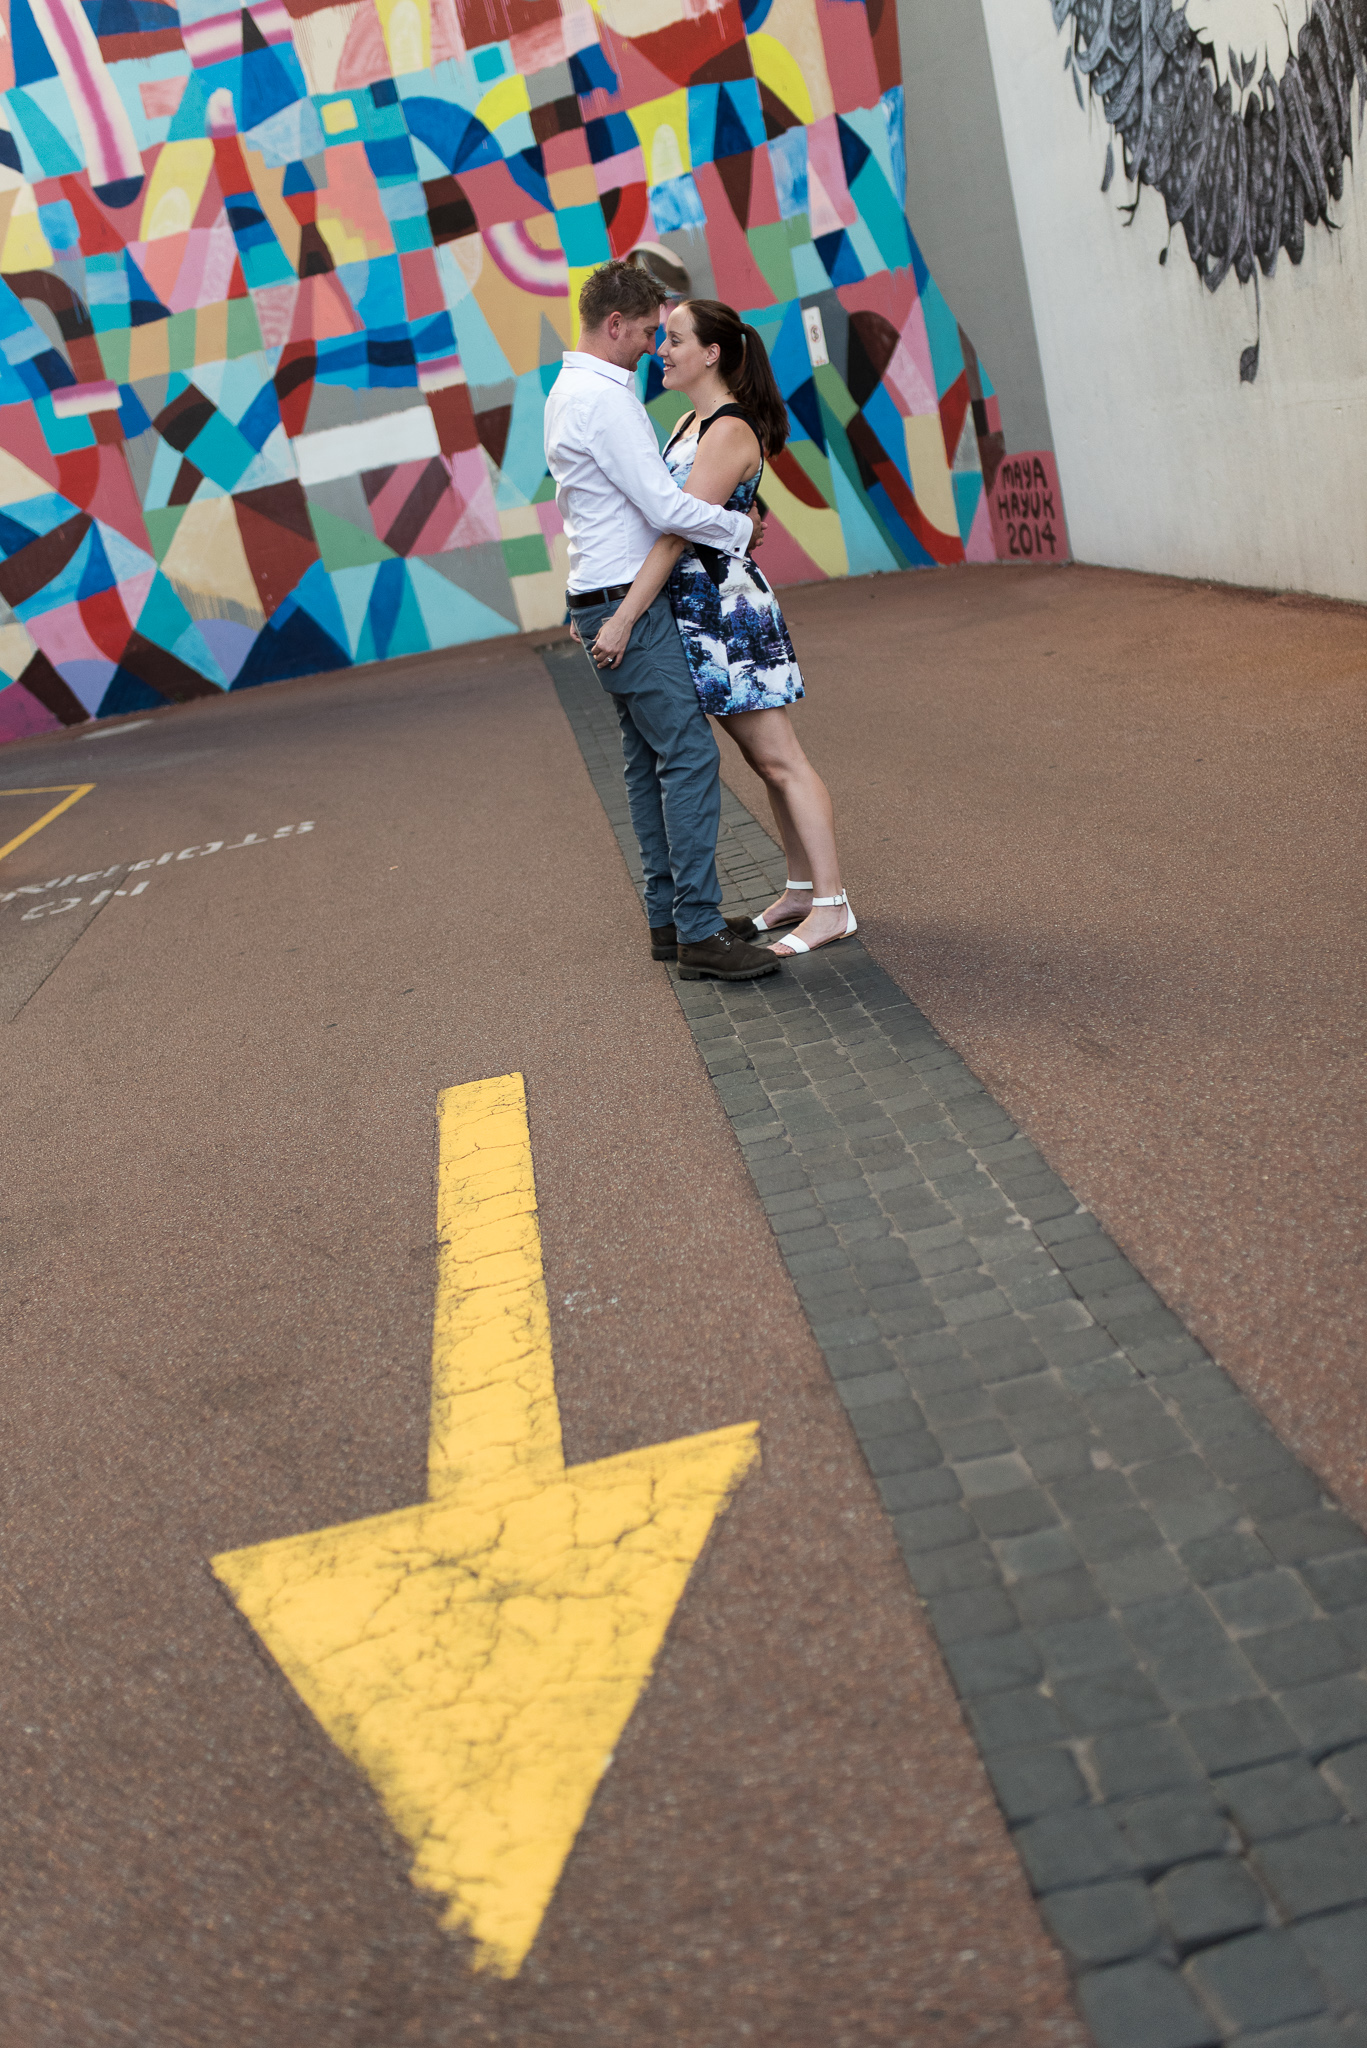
(629, 456)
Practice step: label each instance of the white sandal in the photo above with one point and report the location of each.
(789, 885)
(823, 903)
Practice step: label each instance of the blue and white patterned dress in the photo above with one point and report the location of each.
(733, 632)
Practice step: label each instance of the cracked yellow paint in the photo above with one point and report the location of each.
(479, 1655)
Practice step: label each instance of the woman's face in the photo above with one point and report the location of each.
(682, 356)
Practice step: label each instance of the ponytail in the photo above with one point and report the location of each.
(743, 362)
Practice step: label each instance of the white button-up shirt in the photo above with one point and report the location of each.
(614, 493)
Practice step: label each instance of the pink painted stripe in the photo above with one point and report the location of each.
(93, 94)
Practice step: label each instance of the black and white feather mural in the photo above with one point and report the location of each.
(1244, 163)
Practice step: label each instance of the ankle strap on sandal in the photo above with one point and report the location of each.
(789, 883)
(825, 902)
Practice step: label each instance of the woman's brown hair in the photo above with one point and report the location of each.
(743, 362)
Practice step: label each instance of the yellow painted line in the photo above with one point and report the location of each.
(77, 791)
(478, 1656)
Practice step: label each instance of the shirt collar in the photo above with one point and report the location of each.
(575, 359)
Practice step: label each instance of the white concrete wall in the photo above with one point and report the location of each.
(960, 206)
(1166, 461)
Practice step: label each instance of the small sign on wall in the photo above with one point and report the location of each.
(816, 336)
(1025, 506)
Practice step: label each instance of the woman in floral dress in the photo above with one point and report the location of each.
(733, 631)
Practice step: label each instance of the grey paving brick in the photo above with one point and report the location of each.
(1140, 1329)
(1323, 1533)
(944, 1258)
(1038, 1410)
(1206, 1902)
(1266, 1601)
(1029, 1782)
(1150, 1575)
(984, 1477)
(1081, 1846)
(934, 1529)
(1256, 1981)
(1173, 1479)
(1316, 2033)
(1093, 1493)
(1060, 1457)
(1338, 1582)
(1146, 1759)
(979, 1307)
(1103, 1276)
(998, 1362)
(992, 1664)
(1143, 2005)
(1166, 1356)
(1173, 1827)
(1101, 1373)
(1278, 1799)
(1038, 1555)
(1095, 1643)
(1192, 1661)
(1085, 1247)
(1033, 1290)
(1242, 1457)
(1063, 1229)
(1328, 1716)
(959, 1284)
(802, 1236)
(1230, 1738)
(1083, 1345)
(883, 1404)
(1337, 1947)
(1317, 1871)
(1351, 1623)
(843, 1330)
(1204, 1514)
(981, 1436)
(953, 1405)
(1104, 1923)
(910, 1451)
(1346, 1773)
(944, 1571)
(1102, 1538)
(1059, 1315)
(856, 1360)
(1298, 1654)
(828, 1259)
(1014, 1514)
(930, 1487)
(1015, 1720)
(1273, 1496)
(960, 1617)
(1229, 1554)
(1108, 1699)
(1056, 1597)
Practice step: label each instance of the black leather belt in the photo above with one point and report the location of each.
(578, 599)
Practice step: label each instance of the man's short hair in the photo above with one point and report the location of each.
(618, 287)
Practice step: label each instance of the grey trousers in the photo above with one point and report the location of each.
(672, 769)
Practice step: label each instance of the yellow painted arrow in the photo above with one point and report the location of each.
(478, 1656)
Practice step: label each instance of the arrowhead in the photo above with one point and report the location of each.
(477, 1658)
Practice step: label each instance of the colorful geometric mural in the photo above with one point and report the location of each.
(283, 288)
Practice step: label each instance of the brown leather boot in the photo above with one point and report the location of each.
(664, 939)
(724, 957)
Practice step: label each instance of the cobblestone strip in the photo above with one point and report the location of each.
(1156, 1621)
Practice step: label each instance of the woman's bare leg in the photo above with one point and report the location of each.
(801, 806)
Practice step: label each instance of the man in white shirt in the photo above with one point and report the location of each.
(616, 498)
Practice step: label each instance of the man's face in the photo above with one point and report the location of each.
(630, 336)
